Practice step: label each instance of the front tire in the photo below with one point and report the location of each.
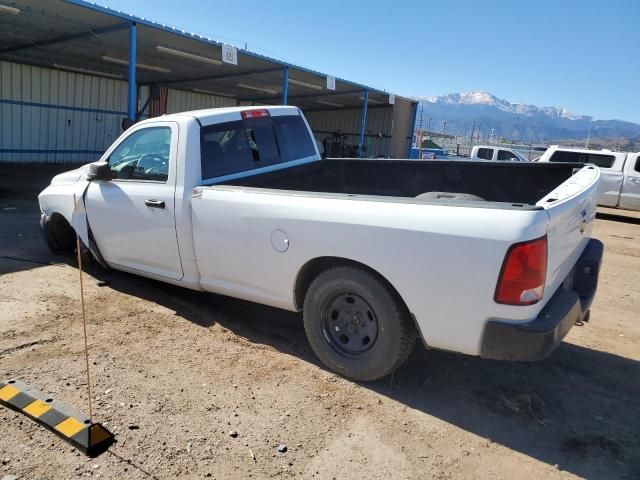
(356, 324)
(59, 235)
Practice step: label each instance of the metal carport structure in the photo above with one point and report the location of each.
(48, 46)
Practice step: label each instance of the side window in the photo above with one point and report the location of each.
(143, 155)
(604, 161)
(506, 155)
(485, 153)
(565, 157)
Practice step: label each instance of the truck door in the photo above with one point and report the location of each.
(630, 195)
(611, 179)
(132, 216)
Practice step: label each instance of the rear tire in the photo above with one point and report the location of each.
(356, 324)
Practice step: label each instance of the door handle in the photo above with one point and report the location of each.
(154, 203)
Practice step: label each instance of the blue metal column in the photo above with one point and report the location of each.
(132, 100)
(364, 122)
(285, 86)
(412, 129)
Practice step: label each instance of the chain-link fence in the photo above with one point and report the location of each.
(462, 146)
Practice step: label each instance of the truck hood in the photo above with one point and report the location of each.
(70, 177)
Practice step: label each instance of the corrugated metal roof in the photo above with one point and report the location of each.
(76, 35)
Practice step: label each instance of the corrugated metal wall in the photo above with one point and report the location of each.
(55, 116)
(379, 120)
(52, 116)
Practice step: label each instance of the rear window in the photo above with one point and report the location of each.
(605, 161)
(243, 145)
(293, 137)
(485, 153)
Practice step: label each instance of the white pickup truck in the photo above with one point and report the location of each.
(620, 184)
(488, 259)
(501, 154)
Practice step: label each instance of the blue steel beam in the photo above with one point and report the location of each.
(132, 100)
(219, 77)
(285, 85)
(349, 109)
(364, 123)
(308, 95)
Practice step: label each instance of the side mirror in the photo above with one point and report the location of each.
(99, 171)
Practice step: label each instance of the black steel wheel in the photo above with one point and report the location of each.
(349, 324)
(356, 324)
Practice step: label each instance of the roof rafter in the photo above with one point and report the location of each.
(67, 38)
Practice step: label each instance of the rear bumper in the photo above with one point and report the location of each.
(536, 339)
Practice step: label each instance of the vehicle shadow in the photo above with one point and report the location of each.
(576, 410)
(612, 217)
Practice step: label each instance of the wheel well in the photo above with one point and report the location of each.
(62, 230)
(315, 267)
(60, 222)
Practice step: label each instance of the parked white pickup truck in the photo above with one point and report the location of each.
(620, 184)
(490, 152)
(488, 259)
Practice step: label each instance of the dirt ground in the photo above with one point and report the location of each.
(174, 371)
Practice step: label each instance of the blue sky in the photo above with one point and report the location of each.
(581, 55)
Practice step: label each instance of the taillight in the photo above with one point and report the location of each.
(260, 113)
(523, 273)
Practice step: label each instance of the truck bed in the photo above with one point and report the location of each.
(510, 182)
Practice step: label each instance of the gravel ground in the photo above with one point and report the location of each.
(175, 371)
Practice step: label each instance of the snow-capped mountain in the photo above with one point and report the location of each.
(513, 120)
(480, 97)
(473, 98)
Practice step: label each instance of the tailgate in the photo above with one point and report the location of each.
(571, 208)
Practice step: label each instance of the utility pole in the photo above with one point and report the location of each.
(530, 146)
(444, 125)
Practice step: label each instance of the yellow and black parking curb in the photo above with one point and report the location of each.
(91, 438)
